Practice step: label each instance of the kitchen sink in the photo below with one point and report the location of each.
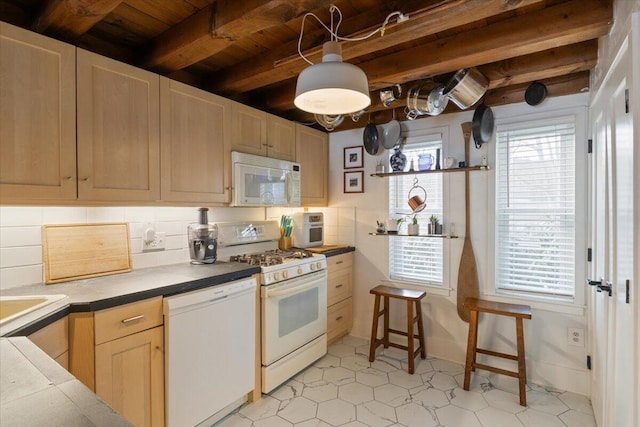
(14, 307)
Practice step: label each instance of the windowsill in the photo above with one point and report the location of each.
(538, 303)
(429, 289)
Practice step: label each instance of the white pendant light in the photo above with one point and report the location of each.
(332, 86)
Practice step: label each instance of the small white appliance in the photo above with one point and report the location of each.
(308, 229)
(293, 298)
(263, 181)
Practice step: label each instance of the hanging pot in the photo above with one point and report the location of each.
(370, 139)
(390, 133)
(482, 124)
(328, 121)
(535, 93)
(427, 98)
(390, 94)
(417, 203)
(466, 87)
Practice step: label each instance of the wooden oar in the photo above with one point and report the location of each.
(467, 271)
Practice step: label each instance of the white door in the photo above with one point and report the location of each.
(614, 330)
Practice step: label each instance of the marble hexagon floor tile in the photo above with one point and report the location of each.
(344, 389)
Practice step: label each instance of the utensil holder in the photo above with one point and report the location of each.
(285, 243)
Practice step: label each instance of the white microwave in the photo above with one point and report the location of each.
(263, 181)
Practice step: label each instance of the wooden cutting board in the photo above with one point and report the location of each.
(79, 251)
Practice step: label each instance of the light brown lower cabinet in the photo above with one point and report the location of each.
(119, 353)
(130, 376)
(339, 296)
(53, 339)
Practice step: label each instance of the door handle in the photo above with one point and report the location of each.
(594, 282)
(606, 288)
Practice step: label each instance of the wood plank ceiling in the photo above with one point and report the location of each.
(247, 49)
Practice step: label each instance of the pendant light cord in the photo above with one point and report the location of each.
(334, 33)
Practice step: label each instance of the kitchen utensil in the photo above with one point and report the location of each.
(390, 94)
(467, 271)
(356, 116)
(535, 93)
(203, 239)
(329, 121)
(482, 125)
(80, 251)
(466, 87)
(390, 133)
(371, 138)
(417, 203)
(427, 98)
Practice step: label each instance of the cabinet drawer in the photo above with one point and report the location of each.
(340, 261)
(127, 319)
(339, 320)
(339, 286)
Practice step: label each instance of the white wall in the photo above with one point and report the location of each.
(550, 360)
(21, 237)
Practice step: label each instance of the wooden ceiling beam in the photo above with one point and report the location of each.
(272, 68)
(217, 27)
(557, 86)
(71, 19)
(567, 23)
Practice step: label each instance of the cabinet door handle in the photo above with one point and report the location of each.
(339, 286)
(339, 262)
(85, 179)
(133, 319)
(68, 178)
(338, 318)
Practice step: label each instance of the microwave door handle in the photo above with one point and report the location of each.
(287, 182)
(291, 291)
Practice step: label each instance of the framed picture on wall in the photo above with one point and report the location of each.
(353, 157)
(354, 182)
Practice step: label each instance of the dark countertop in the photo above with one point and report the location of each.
(110, 291)
(36, 391)
(339, 251)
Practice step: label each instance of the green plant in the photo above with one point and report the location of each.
(415, 219)
(433, 219)
(399, 221)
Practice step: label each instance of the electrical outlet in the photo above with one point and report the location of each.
(575, 336)
(157, 244)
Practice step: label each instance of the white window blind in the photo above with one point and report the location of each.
(535, 212)
(416, 259)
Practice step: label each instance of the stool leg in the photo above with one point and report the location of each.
(522, 366)
(410, 336)
(385, 337)
(374, 329)
(471, 347)
(423, 350)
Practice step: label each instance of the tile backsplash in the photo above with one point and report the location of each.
(21, 237)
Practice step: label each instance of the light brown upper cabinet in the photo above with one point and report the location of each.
(118, 130)
(195, 144)
(262, 134)
(37, 117)
(312, 152)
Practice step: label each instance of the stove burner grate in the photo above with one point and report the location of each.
(271, 257)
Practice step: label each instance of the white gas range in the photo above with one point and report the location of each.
(293, 297)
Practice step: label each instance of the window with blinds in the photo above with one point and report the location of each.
(416, 259)
(535, 208)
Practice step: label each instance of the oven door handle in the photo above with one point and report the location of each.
(291, 291)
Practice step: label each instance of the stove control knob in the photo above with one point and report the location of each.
(299, 270)
(313, 266)
(285, 274)
(276, 276)
(319, 265)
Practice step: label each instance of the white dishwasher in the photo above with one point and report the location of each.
(209, 352)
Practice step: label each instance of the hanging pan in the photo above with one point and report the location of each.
(482, 124)
(371, 138)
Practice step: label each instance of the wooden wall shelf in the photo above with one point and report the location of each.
(437, 236)
(467, 169)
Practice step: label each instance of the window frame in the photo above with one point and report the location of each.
(579, 114)
(444, 288)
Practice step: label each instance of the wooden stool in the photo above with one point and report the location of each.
(411, 297)
(503, 309)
